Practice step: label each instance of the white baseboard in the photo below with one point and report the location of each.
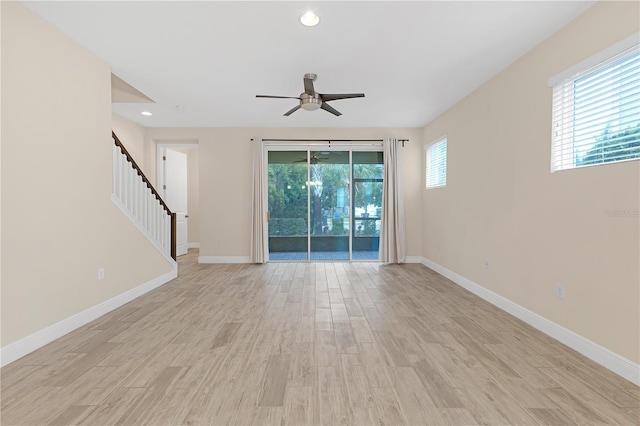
(618, 364)
(30, 343)
(414, 259)
(224, 259)
(193, 245)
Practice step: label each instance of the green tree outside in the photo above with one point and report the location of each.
(330, 201)
(287, 199)
(613, 146)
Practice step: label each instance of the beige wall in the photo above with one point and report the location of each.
(58, 223)
(225, 179)
(0, 169)
(132, 137)
(535, 228)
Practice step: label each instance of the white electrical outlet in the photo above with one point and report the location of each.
(560, 293)
(219, 241)
(100, 274)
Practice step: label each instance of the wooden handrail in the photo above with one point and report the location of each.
(149, 185)
(140, 173)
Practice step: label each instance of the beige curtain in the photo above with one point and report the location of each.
(392, 232)
(259, 240)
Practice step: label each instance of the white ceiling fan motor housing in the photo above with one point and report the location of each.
(310, 103)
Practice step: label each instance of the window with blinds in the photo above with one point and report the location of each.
(596, 111)
(437, 163)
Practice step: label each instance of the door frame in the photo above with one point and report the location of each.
(161, 149)
(350, 147)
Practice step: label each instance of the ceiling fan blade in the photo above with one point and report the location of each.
(308, 87)
(331, 109)
(336, 96)
(276, 97)
(292, 110)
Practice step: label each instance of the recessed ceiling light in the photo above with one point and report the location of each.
(309, 19)
(146, 113)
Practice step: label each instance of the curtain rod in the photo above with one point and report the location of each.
(331, 140)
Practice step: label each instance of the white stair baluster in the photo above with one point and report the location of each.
(149, 210)
(161, 233)
(139, 194)
(167, 240)
(143, 218)
(115, 169)
(140, 202)
(132, 186)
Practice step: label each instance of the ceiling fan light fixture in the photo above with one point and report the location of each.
(310, 104)
(309, 19)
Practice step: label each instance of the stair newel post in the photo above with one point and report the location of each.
(173, 236)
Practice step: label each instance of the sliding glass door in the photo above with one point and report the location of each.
(324, 205)
(288, 205)
(368, 172)
(329, 195)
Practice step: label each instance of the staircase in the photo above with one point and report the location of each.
(136, 197)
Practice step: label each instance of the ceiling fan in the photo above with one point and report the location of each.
(311, 100)
(314, 159)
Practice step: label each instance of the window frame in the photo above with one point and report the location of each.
(563, 151)
(441, 140)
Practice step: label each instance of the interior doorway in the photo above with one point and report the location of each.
(174, 186)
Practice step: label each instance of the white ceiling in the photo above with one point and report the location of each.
(413, 60)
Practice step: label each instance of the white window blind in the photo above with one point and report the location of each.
(437, 163)
(596, 113)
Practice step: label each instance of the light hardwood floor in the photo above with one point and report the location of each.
(305, 343)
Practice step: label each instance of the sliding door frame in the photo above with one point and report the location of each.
(308, 147)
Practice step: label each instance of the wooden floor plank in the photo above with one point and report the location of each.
(275, 381)
(74, 414)
(299, 406)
